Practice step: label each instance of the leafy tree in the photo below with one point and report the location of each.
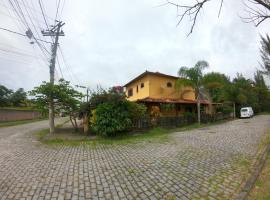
(262, 92)
(65, 97)
(111, 113)
(193, 77)
(216, 83)
(5, 96)
(18, 97)
(265, 53)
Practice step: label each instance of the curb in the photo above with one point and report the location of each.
(252, 179)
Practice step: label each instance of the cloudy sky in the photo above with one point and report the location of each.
(109, 42)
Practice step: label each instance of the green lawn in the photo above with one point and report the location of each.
(261, 189)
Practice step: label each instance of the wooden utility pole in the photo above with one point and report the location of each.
(53, 32)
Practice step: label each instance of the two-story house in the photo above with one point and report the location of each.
(157, 90)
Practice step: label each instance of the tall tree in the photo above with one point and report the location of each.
(193, 77)
(65, 98)
(18, 97)
(215, 83)
(262, 92)
(265, 53)
(5, 95)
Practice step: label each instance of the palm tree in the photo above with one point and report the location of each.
(193, 77)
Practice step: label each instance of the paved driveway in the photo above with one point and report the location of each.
(206, 163)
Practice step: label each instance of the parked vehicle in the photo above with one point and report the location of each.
(246, 112)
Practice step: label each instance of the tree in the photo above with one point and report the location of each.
(110, 112)
(216, 83)
(265, 53)
(5, 95)
(65, 98)
(193, 77)
(262, 92)
(18, 97)
(257, 10)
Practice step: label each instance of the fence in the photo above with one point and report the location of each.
(14, 115)
(146, 123)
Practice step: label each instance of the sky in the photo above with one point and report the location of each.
(109, 42)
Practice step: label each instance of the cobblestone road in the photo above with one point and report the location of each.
(206, 163)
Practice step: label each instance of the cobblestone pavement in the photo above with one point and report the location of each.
(206, 163)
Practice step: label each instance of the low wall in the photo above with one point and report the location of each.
(14, 115)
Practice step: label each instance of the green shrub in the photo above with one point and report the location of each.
(136, 111)
(112, 118)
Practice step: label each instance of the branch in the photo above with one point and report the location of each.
(190, 11)
(258, 11)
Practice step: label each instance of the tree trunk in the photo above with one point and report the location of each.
(199, 111)
(51, 116)
(76, 125)
(85, 123)
(70, 117)
(199, 107)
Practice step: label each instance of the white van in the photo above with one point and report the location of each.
(246, 112)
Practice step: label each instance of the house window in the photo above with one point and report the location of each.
(130, 92)
(137, 89)
(169, 84)
(142, 85)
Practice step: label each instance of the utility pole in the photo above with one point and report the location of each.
(53, 32)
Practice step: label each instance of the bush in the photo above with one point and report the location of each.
(110, 112)
(112, 118)
(136, 111)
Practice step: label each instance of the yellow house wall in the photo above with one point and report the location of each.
(142, 92)
(156, 87)
(159, 89)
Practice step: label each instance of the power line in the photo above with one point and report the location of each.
(18, 53)
(30, 17)
(5, 29)
(57, 10)
(20, 14)
(72, 75)
(58, 63)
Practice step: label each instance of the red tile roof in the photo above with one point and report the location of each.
(170, 100)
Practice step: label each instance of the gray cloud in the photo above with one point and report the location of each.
(110, 42)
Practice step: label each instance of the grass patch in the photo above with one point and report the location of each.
(261, 189)
(18, 108)
(19, 122)
(264, 113)
(156, 135)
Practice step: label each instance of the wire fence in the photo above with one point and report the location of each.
(169, 122)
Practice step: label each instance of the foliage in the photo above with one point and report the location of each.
(18, 97)
(265, 53)
(189, 115)
(10, 98)
(4, 95)
(110, 113)
(136, 111)
(65, 97)
(193, 77)
(112, 118)
(215, 83)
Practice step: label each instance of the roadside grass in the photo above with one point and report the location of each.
(18, 108)
(261, 189)
(264, 113)
(154, 135)
(19, 122)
